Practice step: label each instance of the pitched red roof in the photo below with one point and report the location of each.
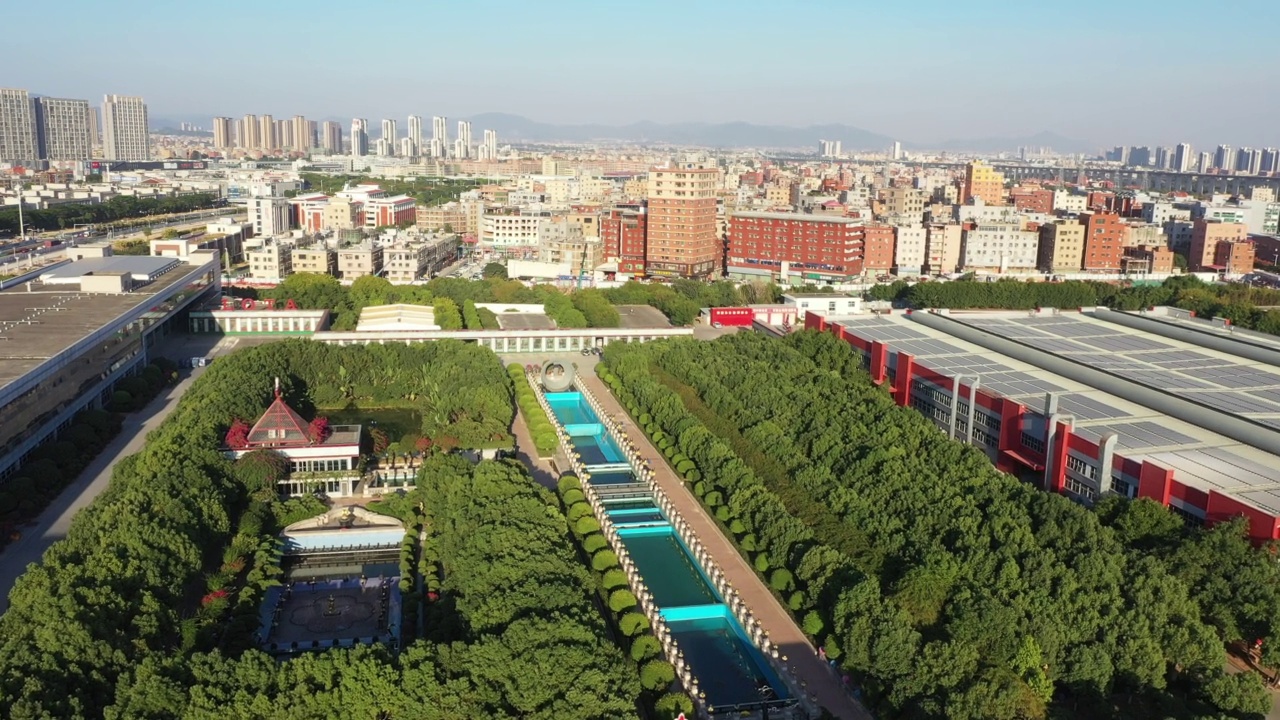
(279, 426)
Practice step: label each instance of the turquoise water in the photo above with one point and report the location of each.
(613, 477)
(629, 505)
(730, 670)
(666, 567)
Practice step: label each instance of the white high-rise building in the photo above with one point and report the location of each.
(267, 138)
(125, 133)
(17, 128)
(269, 215)
(331, 137)
(415, 134)
(490, 144)
(459, 149)
(62, 129)
(897, 150)
(247, 137)
(1206, 162)
(301, 134)
(382, 148)
(1182, 157)
(222, 133)
(389, 133)
(406, 147)
(464, 139)
(284, 134)
(439, 136)
(359, 137)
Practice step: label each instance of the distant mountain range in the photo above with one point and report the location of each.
(516, 128)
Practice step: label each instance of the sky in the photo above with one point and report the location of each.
(1105, 73)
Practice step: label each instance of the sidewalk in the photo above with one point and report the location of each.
(542, 471)
(814, 674)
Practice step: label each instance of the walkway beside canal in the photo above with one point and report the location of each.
(817, 677)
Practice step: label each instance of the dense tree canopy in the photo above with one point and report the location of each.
(98, 629)
(950, 589)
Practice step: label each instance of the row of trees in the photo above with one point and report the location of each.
(949, 589)
(611, 587)
(680, 301)
(1246, 306)
(119, 208)
(535, 417)
(58, 462)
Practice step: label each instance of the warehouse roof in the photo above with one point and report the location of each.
(1201, 458)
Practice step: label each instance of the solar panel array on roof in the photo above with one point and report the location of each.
(1086, 408)
(1140, 358)
(1139, 435)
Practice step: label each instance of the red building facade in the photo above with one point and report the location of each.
(811, 244)
(623, 232)
(1104, 239)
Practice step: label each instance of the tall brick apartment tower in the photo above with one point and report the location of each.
(683, 241)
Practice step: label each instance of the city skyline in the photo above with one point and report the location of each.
(1003, 91)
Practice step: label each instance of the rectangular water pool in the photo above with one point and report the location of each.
(596, 449)
(730, 670)
(613, 477)
(639, 516)
(666, 567)
(629, 505)
(570, 408)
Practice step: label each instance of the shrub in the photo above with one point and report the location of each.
(782, 580)
(568, 482)
(586, 525)
(797, 600)
(621, 600)
(715, 498)
(573, 496)
(633, 623)
(577, 512)
(749, 543)
(812, 624)
(693, 476)
(832, 646)
(723, 513)
(612, 578)
(762, 562)
(672, 705)
(737, 528)
(700, 489)
(645, 647)
(656, 675)
(593, 543)
(605, 560)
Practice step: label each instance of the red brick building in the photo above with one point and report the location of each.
(1104, 237)
(623, 233)
(1235, 257)
(819, 245)
(877, 248)
(1036, 200)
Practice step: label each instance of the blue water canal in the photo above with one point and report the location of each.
(730, 669)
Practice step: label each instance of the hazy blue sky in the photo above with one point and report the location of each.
(1107, 72)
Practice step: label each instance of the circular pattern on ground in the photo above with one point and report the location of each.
(329, 616)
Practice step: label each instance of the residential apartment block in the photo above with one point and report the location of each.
(682, 237)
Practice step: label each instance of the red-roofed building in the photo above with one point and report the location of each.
(322, 457)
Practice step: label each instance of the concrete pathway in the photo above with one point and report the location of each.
(818, 678)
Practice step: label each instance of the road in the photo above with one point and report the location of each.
(53, 523)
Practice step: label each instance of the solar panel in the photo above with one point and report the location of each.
(1138, 435)
(1233, 402)
(1086, 408)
